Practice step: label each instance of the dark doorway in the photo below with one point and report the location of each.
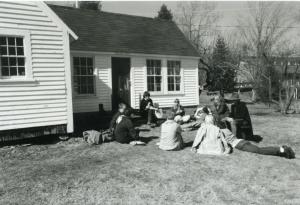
(120, 81)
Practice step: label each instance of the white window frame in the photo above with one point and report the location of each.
(180, 91)
(25, 34)
(76, 94)
(164, 75)
(161, 74)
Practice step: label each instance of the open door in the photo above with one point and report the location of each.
(120, 81)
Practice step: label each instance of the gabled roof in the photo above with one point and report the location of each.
(54, 16)
(120, 33)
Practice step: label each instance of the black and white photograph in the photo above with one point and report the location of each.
(149, 102)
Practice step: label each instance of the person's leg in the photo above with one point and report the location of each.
(149, 119)
(275, 151)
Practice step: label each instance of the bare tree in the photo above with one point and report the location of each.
(261, 32)
(196, 20)
(287, 73)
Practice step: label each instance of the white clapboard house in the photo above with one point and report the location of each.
(56, 61)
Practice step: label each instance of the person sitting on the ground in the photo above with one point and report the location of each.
(124, 132)
(244, 145)
(198, 118)
(180, 116)
(201, 113)
(147, 109)
(113, 122)
(210, 140)
(170, 138)
(220, 110)
(241, 125)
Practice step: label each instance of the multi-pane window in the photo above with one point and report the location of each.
(174, 76)
(12, 58)
(84, 82)
(154, 75)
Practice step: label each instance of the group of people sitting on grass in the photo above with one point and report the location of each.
(219, 129)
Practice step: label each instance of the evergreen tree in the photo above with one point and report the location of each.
(92, 5)
(221, 74)
(165, 13)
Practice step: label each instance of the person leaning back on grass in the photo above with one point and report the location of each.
(244, 145)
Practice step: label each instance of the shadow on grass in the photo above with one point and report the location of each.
(260, 114)
(255, 138)
(41, 140)
(148, 139)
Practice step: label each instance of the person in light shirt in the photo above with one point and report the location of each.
(170, 137)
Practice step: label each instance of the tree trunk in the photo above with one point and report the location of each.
(254, 95)
(290, 91)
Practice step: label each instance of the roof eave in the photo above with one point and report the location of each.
(57, 18)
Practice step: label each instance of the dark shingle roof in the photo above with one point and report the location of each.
(110, 32)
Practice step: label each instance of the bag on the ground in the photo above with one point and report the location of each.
(94, 137)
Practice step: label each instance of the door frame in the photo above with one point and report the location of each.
(112, 77)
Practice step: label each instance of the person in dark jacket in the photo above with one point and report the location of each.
(147, 109)
(124, 131)
(241, 125)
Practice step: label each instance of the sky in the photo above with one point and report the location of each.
(228, 10)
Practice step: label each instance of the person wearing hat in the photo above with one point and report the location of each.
(214, 132)
(170, 138)
(240, 122)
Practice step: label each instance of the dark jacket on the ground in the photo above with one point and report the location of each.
(124, 131)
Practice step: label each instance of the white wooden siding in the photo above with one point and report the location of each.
(103, 87)
(189, 96)
(43, 102)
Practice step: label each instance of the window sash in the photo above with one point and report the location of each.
(154, 75)
(12, 56)
(174, 75)
(84, 79)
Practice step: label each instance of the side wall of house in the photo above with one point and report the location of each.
(41, 99)
(102, 76)
(189, 95)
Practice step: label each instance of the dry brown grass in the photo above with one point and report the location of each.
(73, 172)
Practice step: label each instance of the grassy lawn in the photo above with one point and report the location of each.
(73, 172)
